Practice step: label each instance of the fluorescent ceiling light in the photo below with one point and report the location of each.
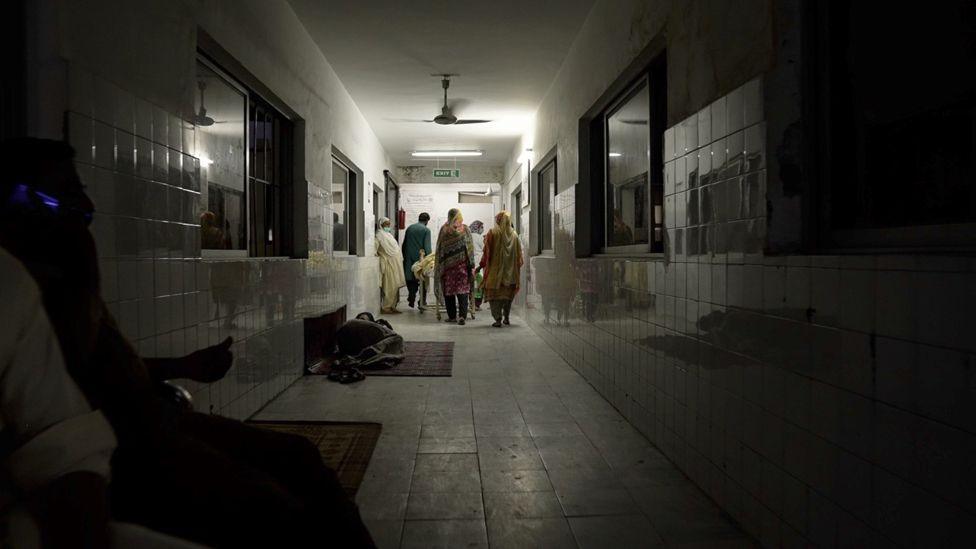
(446, 153)
(614, 155)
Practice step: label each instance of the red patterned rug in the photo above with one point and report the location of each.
(346, 447)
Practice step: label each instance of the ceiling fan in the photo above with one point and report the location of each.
(200, 118)
(446, 117)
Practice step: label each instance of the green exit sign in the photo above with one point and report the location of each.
(447, 173)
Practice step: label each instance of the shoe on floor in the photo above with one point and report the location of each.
(497, 324)
(451, 321)
(506, 322)
(460, 322)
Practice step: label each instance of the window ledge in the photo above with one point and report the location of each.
(224, 258)
(629, 255)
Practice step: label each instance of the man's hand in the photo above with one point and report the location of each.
(210, 364)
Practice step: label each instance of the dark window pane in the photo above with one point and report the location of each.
(259, 144)
(219, 145)
(258, 207)
(628, 166)
(547, 191)
(339, 199)
(905, 147)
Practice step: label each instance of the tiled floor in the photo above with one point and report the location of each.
(514, 450)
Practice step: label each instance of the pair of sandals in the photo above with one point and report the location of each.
(346, 375)
(459, 321)
(498, 323)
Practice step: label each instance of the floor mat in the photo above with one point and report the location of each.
(423, 358)
(345, 447)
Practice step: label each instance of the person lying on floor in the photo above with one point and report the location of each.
(204, 478)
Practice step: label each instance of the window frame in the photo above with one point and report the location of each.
(538, 221)
(282, 130)
(641, 82)
(346, 203)
(590, 204)
(355, 204)
(292, 205)
(239, 253)
(823, 166)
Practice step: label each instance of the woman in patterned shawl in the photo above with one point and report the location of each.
(502, 263)
(455, 259)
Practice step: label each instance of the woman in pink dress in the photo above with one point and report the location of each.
(455, 259)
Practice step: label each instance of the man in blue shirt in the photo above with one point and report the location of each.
(416, 240)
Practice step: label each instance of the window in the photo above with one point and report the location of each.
(270, 149)
(546, 185)
(898, 131)
(620, 186)
(341, 208)
(243, 188)
(221, 111)
(632, 157)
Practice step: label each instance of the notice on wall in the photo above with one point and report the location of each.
(415, 202)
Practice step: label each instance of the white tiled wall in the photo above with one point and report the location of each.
(136, 160)
(820, 399)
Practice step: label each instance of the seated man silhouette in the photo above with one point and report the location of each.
(195, 476)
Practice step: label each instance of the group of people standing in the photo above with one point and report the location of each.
(468, 264)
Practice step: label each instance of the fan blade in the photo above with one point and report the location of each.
(473, 121)
(400, 120)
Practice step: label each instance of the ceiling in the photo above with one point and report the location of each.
(507, 52)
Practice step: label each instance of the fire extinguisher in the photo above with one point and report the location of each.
(401, 218)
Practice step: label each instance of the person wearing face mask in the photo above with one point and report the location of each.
(391, 266)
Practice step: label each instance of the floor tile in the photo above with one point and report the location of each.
(575, 458)
(446, 430)
(444, 534)
(515, 481)
(623, 532)
(598, 502)
(386, 533)
(446, 462)
(447, 446)
(501, 430)
(548, 533)
(522, 505)
(583, 479)
(445, 481)
(563, 428)
(445, 506)
(386, 482)
(382, 506)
